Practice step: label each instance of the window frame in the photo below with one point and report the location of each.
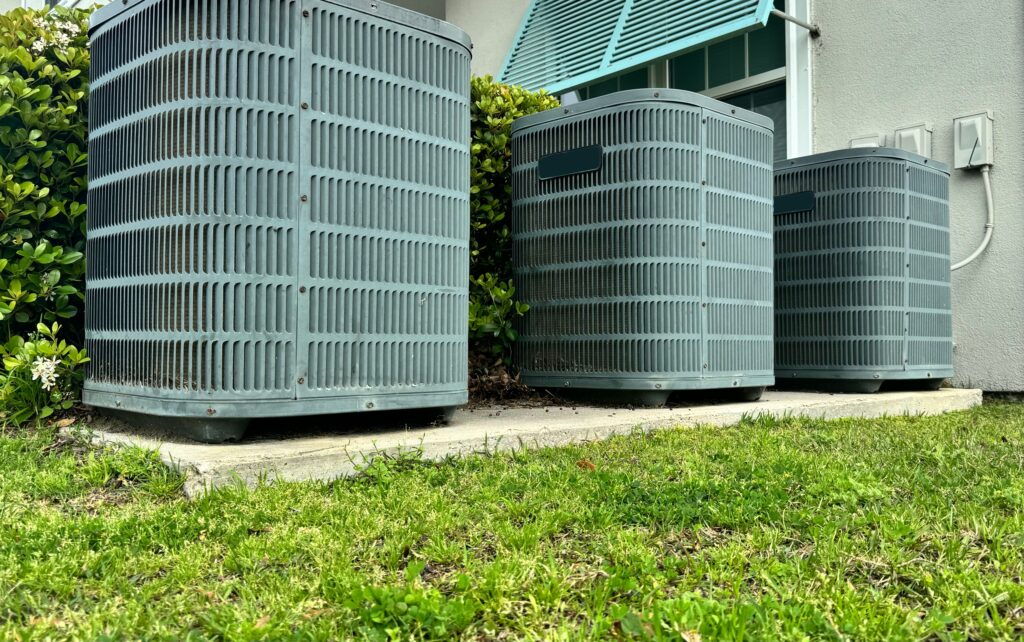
(796, 74)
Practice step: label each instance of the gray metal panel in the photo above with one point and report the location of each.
(862, 280)
(212, 286)
(653, 272)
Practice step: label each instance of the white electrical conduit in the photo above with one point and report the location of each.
(989, 224)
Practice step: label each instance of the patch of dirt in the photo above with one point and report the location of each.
(491, 383)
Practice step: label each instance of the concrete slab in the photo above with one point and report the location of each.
(326, 451)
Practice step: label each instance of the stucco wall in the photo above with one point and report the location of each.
(880, 65)
(433, 8)
(492, 24)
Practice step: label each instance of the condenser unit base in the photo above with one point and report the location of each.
(220, 421)
(856, 382)
(648, 393)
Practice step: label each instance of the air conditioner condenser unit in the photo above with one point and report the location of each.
(862, 271)
(278, 211)
(642, 236)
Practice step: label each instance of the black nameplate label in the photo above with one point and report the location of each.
(796, 202)
(575, 161)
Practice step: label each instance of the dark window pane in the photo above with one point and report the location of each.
(771, 102)
(739, 100)
(767, 47)
(636, 79)
(602, 88)
(687, 72)
(726, 61)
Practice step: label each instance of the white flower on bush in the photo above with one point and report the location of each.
(60, 35)
(45, 371)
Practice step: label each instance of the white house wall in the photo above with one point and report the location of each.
(880, 65)
(492, 24)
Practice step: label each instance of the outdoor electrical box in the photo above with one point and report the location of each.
(862, 271)
(278, 217)
(642, 242)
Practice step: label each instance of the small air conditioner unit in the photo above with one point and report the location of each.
(862, 271)
(642, 235)
(278, 210)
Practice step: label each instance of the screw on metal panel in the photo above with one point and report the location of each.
(305, 13)
(211, 411)
(703, 243)
(303, 198)
(369, 404)
(657, 94)
(305, 105)
(703, 305)
(302, 288)
(704, 182)
(566, 110)
(657, 385)
(705, 365)
(302, 380)
(117, 403)
(373, 7)
(877, 376)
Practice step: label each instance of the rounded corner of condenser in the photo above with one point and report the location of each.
(857, 153)
(409, 18)
(105, 14)
(632, 97)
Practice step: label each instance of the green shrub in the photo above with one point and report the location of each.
(42, 375)
(44, 71)
(492, 307)
(44, 76)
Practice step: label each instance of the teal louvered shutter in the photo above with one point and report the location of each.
(564, 44)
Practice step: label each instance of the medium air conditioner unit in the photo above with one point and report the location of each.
(862, 271)
(642, 232)
(278, 210)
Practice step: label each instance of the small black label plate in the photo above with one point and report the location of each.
(795, 202)
(567, 163)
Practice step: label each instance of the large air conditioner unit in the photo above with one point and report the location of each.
(642, 232)
(278, 210)
(862, 271)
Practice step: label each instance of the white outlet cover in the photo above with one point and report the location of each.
(872, 140)
(916, 139)
(972, 140)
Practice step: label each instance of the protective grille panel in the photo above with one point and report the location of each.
(862, 281)
(209, 277)
(657, 266)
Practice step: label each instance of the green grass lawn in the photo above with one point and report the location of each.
(896, 529)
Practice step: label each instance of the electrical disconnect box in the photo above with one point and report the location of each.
(916, 139)
(972, 140)
(871, 140)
